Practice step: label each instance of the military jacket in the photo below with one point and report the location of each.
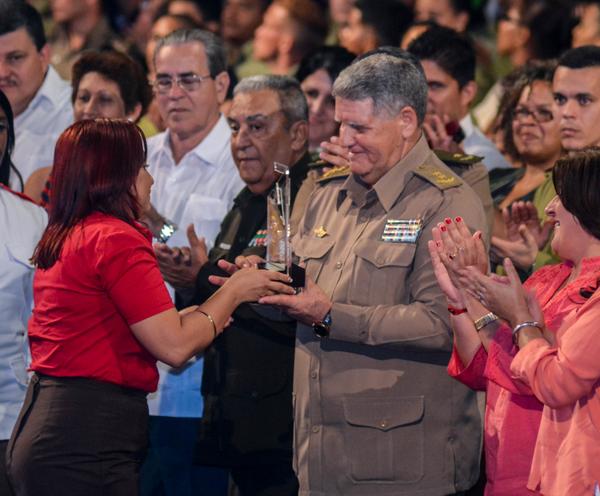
(375, 411)
(248, 370)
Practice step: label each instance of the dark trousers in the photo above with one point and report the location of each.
(169, 470)
(5, 489)
(78, 437)
(266, 480)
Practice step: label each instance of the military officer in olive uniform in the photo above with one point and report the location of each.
(375, 411)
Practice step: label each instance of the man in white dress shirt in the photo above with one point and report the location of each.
(40, 100)
(195, 182)
(448, 59)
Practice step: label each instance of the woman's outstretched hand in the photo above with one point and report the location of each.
(251, 284)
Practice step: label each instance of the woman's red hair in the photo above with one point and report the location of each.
(96, 164)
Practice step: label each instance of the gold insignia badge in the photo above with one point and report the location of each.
(320, 232)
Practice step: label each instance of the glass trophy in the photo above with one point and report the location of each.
(279, 249)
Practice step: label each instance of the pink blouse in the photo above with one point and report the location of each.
(513, 413)
(566, 378)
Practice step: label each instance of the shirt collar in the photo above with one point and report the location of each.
(391, 185)
(49, 93)
(209, 150)
(467, 125)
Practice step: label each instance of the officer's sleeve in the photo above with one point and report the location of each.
(423, 324)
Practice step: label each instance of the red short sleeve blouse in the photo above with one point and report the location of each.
(106, 279)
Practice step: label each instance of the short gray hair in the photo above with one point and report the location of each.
(213, 46)
(292, 99)
(392, 83)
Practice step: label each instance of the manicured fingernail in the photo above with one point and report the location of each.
(443, 228)
(458, 219)
(448, 220)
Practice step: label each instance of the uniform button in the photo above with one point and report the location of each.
(383, 424)
(313, 375)
(315, 428)
(338, 265)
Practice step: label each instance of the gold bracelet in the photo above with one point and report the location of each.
(211, 320)
(481, 322)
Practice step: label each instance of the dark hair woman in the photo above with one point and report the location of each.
(7, 141)
(107, 85)
(101, 319)
(537, 354)
(316, 74)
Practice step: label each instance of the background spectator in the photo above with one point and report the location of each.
(290, 29)
(239, 20)
(38, 97)
(587, 29)
(316, 75)
(373, 24)
(108, 85)
(79, 25)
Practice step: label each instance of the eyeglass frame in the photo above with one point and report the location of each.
(198, 79)
(534, 114)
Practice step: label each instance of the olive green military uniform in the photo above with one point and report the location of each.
(375, 410)
(469, 168)
(472, 171)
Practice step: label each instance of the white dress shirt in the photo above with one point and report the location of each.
(21, 226)
(198, 190)
(476, 143)
(38, 127)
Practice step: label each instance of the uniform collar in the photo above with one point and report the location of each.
(297, 175)
(392, 184)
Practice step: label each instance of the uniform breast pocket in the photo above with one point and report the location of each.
(313, 252)
(379, 272)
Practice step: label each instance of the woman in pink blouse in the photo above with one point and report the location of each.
(554, 319)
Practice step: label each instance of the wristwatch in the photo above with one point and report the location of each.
(323, 327)
(166, 231)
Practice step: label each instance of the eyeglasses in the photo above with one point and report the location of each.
(187, 82)
(540, 115)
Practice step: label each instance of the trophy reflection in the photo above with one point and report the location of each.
(279, 250)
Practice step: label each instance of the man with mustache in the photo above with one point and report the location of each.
(40, 99)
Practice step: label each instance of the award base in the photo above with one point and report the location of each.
(297, 273)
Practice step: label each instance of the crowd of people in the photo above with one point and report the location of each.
(444, 187)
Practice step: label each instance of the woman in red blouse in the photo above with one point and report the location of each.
(102, 318)
(563, 302)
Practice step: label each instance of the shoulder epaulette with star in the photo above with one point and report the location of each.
(463, 159)
(335, 173)
(437, 176)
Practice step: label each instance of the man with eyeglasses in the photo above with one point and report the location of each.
(576, 88)
(248, 371)
(195, 182)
